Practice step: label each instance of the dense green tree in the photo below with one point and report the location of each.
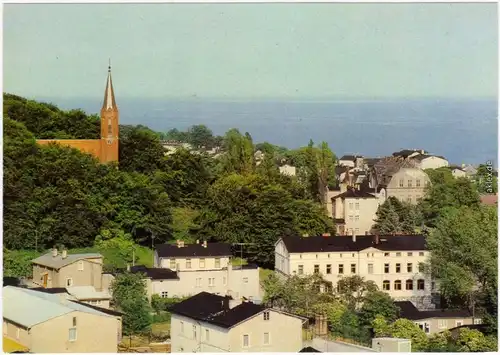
(472, 340)
(486, 179)
(200, 136)
(377, 303)
(394, 216)
(353, 290)
(141, 151)
(401, 328)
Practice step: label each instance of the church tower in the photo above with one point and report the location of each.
(109, 124)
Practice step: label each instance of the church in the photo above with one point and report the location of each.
(106, 148)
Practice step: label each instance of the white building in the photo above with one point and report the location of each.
(351, 161)
(457, 171)
(424, 161)
(187, 269)
(288, 170)
(212, 323)
(392, 262)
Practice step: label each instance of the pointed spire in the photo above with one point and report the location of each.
(109, 95)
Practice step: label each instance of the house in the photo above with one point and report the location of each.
(457, 171)
(354, 211)
(202, 267)
(51, 323)
(435, 321)
(427, 161)
(393, 262)
(213, 323)
(351, 161)
(80, 274)
(288, 170)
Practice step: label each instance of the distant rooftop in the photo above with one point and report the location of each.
(57, 262)
(409, 311)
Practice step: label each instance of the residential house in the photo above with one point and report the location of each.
(435, 321)
(457, 171)
(288, 170)
(393, 262)
(84, 294)
(426, 161)
(353, 161)
(203, 267)
(213, 323)
(354, 211)
(51, 323)
(81, 274)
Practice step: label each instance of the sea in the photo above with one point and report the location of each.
(462, 130)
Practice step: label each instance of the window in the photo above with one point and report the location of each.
(409, 284)
(386, 268)
(72, 334)
(350, 205)
(340, 255)
(353, 268)
(194, 332)
(316, 256)
(427, 328)
(418, 183)
(478, 321)
(409, 267)
(301, 270)
(224, 280)
(351, 218)
(74, 321)
(459, 323)
(410, 183)
(420, 253)
(246, 340)
(69, 282)
(356, 218)
(207, 335)
(217, 263)
(397, 285)
(164, 294)
(410, 254)
(266, 315)
(316, 269)
(441, 323)
(352, 255)
(401, 182)
(188, 263)
(266, 338)
(211, 281)
(202, 263)
(370, 268)
(341, 268)
(398, 254)
(387, 254)
(245, 280)
(182, 327)
(357, 230)
(420, 284)
(386, 285)
(172, 264)
(198, 282)
(433, 286)
(328, 256)
(329, 269)
(80, 265)
(420, 267)
(398, 268)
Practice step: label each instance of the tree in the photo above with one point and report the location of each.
(472, 340)
(129, 296)
(486, 179)
(140, 150)
(394, 216)
(401, 328)
(376, 304)
(200, 137)
(353, 290)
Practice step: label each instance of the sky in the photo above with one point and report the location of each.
(252, 50)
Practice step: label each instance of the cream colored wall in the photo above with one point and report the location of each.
(94, 334)
(361, 260)
(10, 330)
(433, 163)
(91, 275)
(39, 271)
(195, 263)
(99, 303)
(244, 283)
(349, 163)
(458, 173)
(282, 258)
(329, 205)
(285, 334)
(414, 192)
(366, 212)
(437, 325)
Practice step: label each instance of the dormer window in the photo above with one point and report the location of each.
(266, 315)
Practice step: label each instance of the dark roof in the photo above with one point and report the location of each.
(353, 193)
(339, 169)
(155, 273)
(405, 153)
(214, 309)
(52, 290)
(371, 161)
(409, 311)
(350, 157)
(339, 220)
(245, 267)
(296, 244)
(11, 281)
(193, 250)
(100, 309)
(309, 349)
(453, 167)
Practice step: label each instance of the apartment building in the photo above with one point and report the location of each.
(393, 262)
(51, 323)
(194, 268)
(212, 323)
(436, 321)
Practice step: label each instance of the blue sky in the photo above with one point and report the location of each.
(252, 50)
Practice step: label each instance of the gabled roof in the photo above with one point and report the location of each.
(58, 261)
(353, 193)
(339, 243)
(409, 311)
(405, 153)
(87, 293)
(28, 308)
(193, 250)
(111, 312)
(421, 157)
(155, 273)
(350, 157)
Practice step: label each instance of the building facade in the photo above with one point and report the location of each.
(424, 161)
(393, 262)
(408, 185)
(106, 148)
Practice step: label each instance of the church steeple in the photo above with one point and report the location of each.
(109, 95)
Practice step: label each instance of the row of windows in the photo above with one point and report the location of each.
(410, 183)
(328, 269)
(201, 263)
(355, 205)
(398, 286)
(386, 254)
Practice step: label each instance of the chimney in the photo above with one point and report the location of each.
(353, 236)
(54, 252)
(64, 254)
(376, 239)
(204, 244)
